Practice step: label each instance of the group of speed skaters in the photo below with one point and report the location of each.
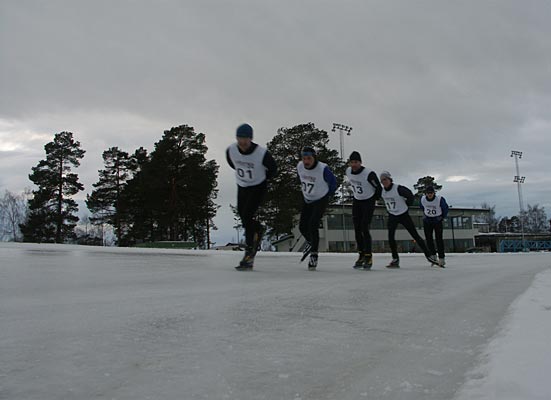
(254, 166)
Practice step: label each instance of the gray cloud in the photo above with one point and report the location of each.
(430, 87)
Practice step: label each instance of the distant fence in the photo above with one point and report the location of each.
(167, 245)
(513, 246)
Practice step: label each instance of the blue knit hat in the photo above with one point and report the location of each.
(308, 151)
(244, 131)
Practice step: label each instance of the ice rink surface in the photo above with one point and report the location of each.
(92, 323)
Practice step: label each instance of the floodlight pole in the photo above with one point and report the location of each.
(342, 129)
(519, 180)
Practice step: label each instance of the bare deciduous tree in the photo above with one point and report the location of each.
(13, 211)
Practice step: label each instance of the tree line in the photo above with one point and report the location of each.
(170, 194)
(532, 220)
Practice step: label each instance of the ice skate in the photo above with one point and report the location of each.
(247, 263)
(432, 260)
(360, 261)
(313, 263)
(368, 261)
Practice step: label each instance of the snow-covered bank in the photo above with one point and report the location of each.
(517, 362)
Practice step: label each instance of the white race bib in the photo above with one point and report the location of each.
(395, 204)
(362, 189)
(312, 182)
(431, 208)
(249, 168)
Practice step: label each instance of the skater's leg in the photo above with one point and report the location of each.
(407, 222)
(255, 202)
(368, 242)
(247, 220)
(357, 219)
(429, 228)
(313, 231)
(392, 225)
(305, 217)
(366, 225)
(438, 231)
(243, 209)
(318, 208)
(256, 197)
(248, 202)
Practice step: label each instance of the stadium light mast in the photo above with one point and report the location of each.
(342, 129)
(519, 180)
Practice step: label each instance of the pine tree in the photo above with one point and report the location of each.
(105, 200)
(137, 201)
(423, 183)
(52, 211)
(177, 186)
(284, 197)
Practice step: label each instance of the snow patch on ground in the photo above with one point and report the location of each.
(517, 362)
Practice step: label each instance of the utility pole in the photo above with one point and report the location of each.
(342, 129)
(519, 180)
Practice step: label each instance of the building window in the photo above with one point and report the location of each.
(334, 221)
(459, 222)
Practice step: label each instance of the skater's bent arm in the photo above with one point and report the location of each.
(374, 181)
(270, 164)
(330, 179)
(228, 158)
(444, 206)
(407, 194)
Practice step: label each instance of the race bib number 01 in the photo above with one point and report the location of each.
(245, 173)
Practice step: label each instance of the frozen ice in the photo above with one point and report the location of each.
(83, 322)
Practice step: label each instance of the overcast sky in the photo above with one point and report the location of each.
(430, 87)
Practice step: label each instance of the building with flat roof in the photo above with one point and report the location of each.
(337, 231)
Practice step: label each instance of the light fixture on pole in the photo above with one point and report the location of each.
(342, 129)
(519, 180)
